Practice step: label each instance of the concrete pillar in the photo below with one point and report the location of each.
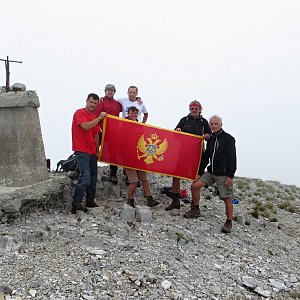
(22, 154)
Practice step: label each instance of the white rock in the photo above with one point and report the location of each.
(277, 284)
(166, 284)
(105, 277)
(293, 279)
(98, 252)
(260, 291)
(250, 282)
(32, 293)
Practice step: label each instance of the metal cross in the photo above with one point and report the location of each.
(7, 61)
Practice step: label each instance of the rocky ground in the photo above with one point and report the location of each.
(117, 252)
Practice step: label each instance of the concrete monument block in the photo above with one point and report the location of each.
(22, 154)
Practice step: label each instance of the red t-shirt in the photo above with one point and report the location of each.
(108, 105)
(84, 140)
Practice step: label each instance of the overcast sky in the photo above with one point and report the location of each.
(240, 59)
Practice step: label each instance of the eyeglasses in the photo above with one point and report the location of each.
(194, 108)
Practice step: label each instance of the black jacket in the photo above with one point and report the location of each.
(221, 154)
(198, 126)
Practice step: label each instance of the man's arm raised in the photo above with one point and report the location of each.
(91, 124)
(145, 117)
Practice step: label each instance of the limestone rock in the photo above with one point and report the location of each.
(143, 214)
(166, 284)
(18, 87)
(8, 243)
(127, 213)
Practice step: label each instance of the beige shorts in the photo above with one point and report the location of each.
(135, 175)
(210, 179)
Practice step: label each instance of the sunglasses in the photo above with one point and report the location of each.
(194, 108)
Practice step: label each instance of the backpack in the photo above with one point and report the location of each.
(68, 165)
(167, 190)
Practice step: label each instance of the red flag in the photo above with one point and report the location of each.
(149, 148)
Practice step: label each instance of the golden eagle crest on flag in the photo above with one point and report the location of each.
(154, 149)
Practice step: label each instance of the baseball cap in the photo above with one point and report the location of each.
(109, 87)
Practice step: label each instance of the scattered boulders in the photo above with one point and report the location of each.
(118, 252)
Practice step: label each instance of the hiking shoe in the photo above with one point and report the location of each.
(113, 179)
(151, 202)
(227, 226)
(91, 204)
(76, 207)
(175, 204)
(130, 202)
(192, 213)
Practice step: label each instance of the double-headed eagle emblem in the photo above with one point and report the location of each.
(153, 150)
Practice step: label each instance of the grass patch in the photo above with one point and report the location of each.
(242, 184)
(273, 219)
(294, 294)
(267, 210)
(181, 236)
(288, 206)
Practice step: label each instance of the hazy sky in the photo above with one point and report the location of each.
(240, 59)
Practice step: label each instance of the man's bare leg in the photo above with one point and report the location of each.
(174, 195)
(194, 212)
(229, 208)
(176, 185)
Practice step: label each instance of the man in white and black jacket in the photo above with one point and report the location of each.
(220, 154)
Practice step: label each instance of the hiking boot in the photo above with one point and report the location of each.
(194, 212)
(227, 226)
(130, 202)
(113, 179)
(91, 204)
(151, 201)
(172, 195)
(76, 207)
(175, 204)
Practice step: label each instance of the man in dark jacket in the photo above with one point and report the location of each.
(220, 154)
(193, 123)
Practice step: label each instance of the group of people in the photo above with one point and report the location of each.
(219, 156)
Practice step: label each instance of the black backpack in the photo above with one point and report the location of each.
(68, 165)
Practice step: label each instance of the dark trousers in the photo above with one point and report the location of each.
(88, 177)
(112, 169)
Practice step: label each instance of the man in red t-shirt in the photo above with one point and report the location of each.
(112, 107)
(85, 144)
